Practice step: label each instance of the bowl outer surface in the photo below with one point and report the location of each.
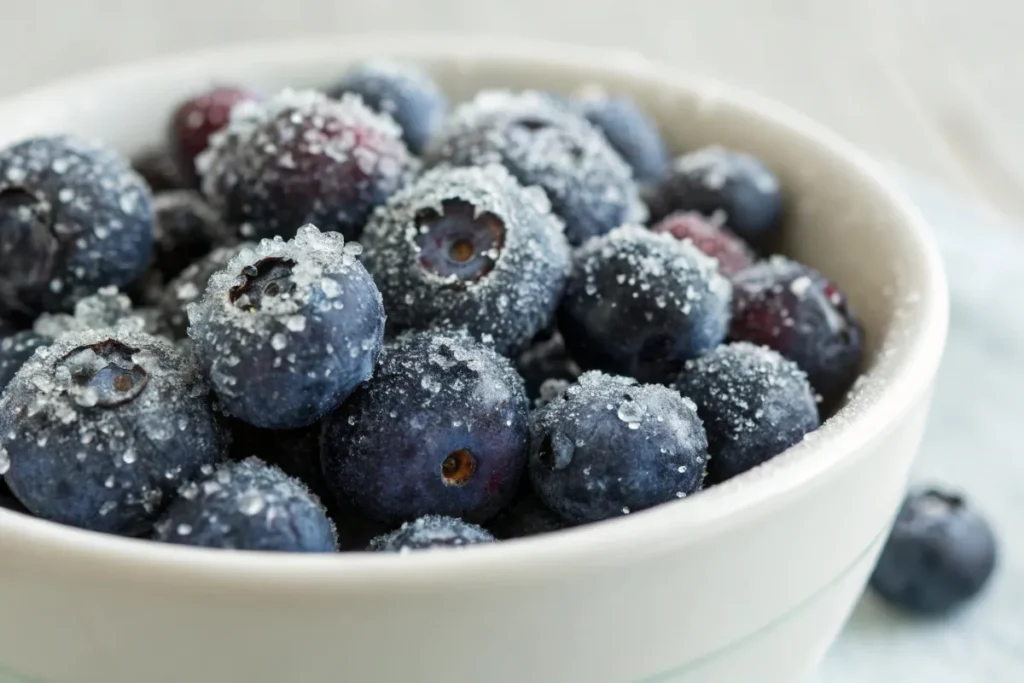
(758, 572)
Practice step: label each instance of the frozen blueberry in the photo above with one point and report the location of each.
(300, 158)
(547, 359)
(431, 532)
(440, 429)
(195, 120)
(733, 187)
(754, 403)
(15, 350)
(287, 331)
(640, 303)
(186, 229)
(610, 446)
(73, 217)
(793, 309)
(469, 248)
(106, 308)
(546, 144)
(99, 429)
(940, 554)
(247, 505)
(189, 286)
(718, 242)
(157, 168)
(631, 133)
(525, 516)
(402, 91)
(295, 451)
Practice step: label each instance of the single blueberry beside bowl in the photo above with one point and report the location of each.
(440, 429)
(74, 217)
(101, 427)
(640, 304)
(195, 120)
(754, 404)
(247, 505)
(402, 91)
(431, 532)
(629, 130)
(469, 248)
(286, 331)
(610, 446)
(940, 554)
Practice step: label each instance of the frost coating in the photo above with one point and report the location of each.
(287, 330)
(189, 286)
(432, 532)
(100, 427)
(523, 277)
(544, 143)
(106, 308)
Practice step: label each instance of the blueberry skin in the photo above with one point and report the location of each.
(795, 310)
(157, 168)
(469, 248)
(440, 429)
(247, 505)
(295, 451)
(525, 516)
(17, 349)
(8, 501)
(733, 186)
(610, 446)
(101, 427)
(432, 532)
(631, 133)
(186, 229)
(640, 304)
(940, 554)
(543, 143)
(74, 217)
(287, 331)
(189, 286)
(754, 404)
(402, 91)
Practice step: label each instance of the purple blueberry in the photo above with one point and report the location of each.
(432, 532)
(640, 303)
(718, 242)
(630, 131)
(196, 120)
(441, 429)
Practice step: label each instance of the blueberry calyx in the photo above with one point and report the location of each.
(458, 468)
(459, 242)
(104, 374)
(270, 277)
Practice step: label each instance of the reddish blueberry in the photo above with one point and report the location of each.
(718, 242)
(195, 120)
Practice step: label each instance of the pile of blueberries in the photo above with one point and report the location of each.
(546, 320)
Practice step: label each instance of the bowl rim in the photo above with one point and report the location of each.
(65, 549)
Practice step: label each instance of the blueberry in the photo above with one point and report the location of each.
(610, 446)
(158, 169)
(106, 308)
(469, 248)
(718, 242)
(431, 532)
(440, 429)
(196, 120)
(940, 554)
(8, 501)
(754, 403)
(544, 143)
(631, 133)
(189, 286)
(303, 158)
(186, 229)
(295, 451)
(733, 187)
(525, 516)
(99, 428)
(639, 304)
(402, 91)
(15, 350)
(793, 309)
(247, 505)
(287, 331)
(547, 359)
(73, 217)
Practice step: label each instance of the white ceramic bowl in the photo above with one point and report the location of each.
(747, 581)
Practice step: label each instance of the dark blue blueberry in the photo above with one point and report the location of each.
(186, 229)
(188, 287)
(610, 446)
(159, 171)
(17, 349)
(640, 303)
(732, 187)
(525, 516)
(547, 359)
(940, 554)
(754, 403)
(793, 309)
(301, 158)
(631, 133)
(295, 451)
(431, 533)
(101, 427)
(545, 144)
(404, 92)
(196, 120)
(287, 331)
(440, 429)
(718, 242)
(8, 501)
(469, 248)
(247, 505)
(74, 217)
